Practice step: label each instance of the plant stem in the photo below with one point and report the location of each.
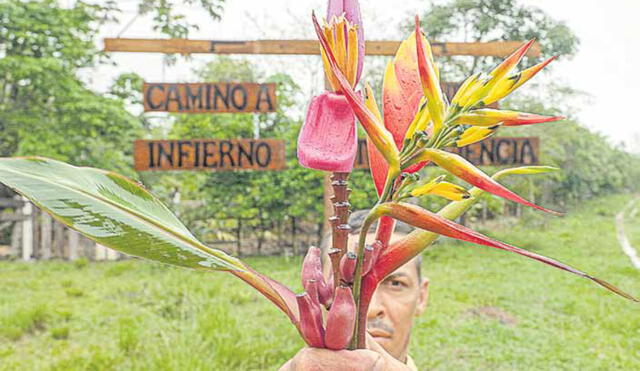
(357, 278)
(339, 221)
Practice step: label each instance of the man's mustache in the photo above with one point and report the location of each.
(379, 325)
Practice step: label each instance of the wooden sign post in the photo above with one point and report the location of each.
(310, 47)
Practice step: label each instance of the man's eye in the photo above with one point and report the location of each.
(396, 284)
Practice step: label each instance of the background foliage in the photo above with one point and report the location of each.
(47, 109)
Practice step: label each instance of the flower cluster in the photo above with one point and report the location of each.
(416, 125)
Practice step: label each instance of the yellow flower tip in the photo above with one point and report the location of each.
(475, 134)
(511, 61)
(342, 39)
(370, 102)
(429, 78)
(438, 187)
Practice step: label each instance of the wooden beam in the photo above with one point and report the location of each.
(302, 47)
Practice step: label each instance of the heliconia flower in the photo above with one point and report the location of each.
(371, 124)
(341, 320)
(430, 81)
(424, 219)
(524, 170)
(350, 9)
(310, 325)
(401, 97)
(463, 90)
(420, 121)
(328, 139)
(403, 250)
(464, 170)
(441, 188)
(475, 134)
(507, 85)
(490, 117)
(481, 86)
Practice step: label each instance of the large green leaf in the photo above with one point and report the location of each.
(111, 210)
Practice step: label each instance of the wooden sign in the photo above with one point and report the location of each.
(209, 154)
(500, 151)
(304, 47)
(220, 97)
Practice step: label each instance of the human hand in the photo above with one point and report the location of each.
(374, 358)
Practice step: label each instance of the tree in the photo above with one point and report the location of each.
(45, 109)
(491, 20)
(173, 24)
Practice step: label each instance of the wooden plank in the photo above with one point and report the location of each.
(209, 154)
(16, 238)
(303, 47)
(500, 151)
(27, 231)
(14, 217)
(112, 254)
(46, 236)
(73, 244)
(100, 252)
(216, 97)
(58, 240)
(10, 203)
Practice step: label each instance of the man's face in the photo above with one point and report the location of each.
(398, 299)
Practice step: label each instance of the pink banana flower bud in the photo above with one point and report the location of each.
(311, 288)
(312, 267)
(369, 259)
(310, 325)
(326, 292)
(340, 320)
(351, 11)
(348, 266)
(328, 139)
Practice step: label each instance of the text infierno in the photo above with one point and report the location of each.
(212, 155)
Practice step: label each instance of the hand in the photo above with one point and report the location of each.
(316, 359)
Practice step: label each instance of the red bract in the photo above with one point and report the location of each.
(328, 139)
(464, 170)
(427, 220)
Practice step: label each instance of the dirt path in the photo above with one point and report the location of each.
(627, 248)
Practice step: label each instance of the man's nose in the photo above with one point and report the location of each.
(376, 307)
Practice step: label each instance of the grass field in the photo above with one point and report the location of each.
(488, 309)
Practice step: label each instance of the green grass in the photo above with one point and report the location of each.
(488, 309)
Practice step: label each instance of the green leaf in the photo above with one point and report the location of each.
(111, 210)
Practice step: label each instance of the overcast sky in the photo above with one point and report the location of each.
(605, 67)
